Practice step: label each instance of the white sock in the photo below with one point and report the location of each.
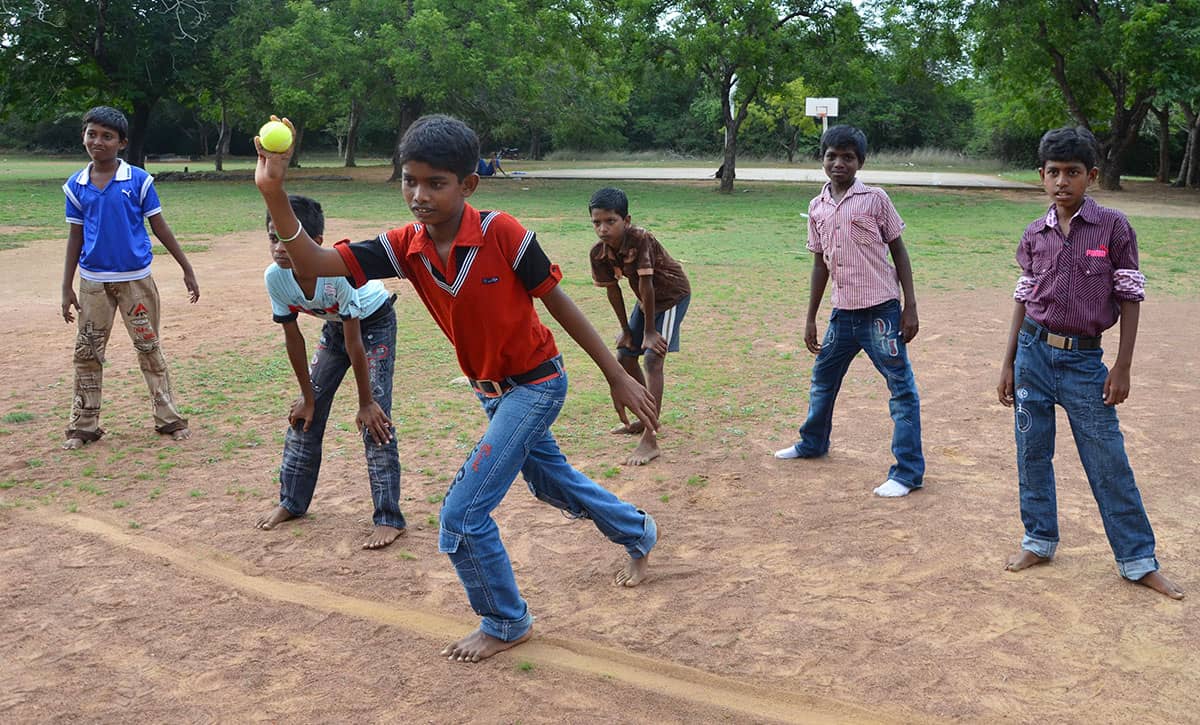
(892, 488)
(786, 453)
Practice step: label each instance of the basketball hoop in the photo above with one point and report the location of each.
(821, 108)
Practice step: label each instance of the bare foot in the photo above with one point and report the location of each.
(381, 536)
(73, 444)
(478, 646)
(273, 518)
(1024, 560)
(634, 428)
(634, 572)
(1161, 584)
(646, 451)
(181, 435)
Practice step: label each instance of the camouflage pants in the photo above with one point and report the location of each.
(137, 302)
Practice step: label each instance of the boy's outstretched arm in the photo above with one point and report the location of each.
(308, 257)
(302, 408)
(626, 392)
(1004, 390)
(370, 415)
(908, 313)
(617, 301)
(162, 230)
(74, 249)
(1116, 385)
(816, 290)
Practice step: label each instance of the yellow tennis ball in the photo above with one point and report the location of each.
(275, 136)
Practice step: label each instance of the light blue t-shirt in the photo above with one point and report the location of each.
(333, 298)
(116, 246)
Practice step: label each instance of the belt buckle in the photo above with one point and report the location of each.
(489, 388)
(1062, 343)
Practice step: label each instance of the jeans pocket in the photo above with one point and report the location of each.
(448, 541)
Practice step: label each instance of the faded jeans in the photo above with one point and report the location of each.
(518, 439)
(1045, 376)
(875, 330)
(302, 450)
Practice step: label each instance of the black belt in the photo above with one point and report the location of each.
(1062, 342)
(381, 311)
(496, 388)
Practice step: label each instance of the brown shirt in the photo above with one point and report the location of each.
(641, 255)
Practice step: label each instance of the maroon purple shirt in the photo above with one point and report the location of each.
(1074, 285)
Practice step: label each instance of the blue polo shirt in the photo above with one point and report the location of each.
(116, 245)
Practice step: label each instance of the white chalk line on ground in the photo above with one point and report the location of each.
(656, 676)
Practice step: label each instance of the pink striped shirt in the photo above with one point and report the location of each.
(1074, 285)
(853, 236)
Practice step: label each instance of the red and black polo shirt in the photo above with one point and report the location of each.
(483, 301)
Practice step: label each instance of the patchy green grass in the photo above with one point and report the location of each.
(17, 416)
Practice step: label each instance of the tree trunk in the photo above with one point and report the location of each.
(410, 110)
(139, 124)
(729, 165)
(1164, 143)
(352, 133)
(222, 139)
(535, 145)
(1187, 169)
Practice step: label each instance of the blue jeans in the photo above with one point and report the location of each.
(302, 450)
(875, 330)
(1074, 379)
(518, 439)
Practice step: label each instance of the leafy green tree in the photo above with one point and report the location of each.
(1074, 54)
(783, 112)
(1165, 37)
(743, 48)
(129, 54)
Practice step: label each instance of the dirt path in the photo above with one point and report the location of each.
(781, 591)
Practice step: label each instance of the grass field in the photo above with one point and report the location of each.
(788, 577)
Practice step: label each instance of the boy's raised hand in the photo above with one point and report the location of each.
(272, 167)
(372, 418)
(627, 393)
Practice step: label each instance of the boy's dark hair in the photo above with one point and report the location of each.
(1069, 143)
(109, 117)
(610, 198)
(843, 136)
(443, 142)
(308, 212)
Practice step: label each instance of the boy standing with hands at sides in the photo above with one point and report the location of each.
(851, 229)
(359, 333)
(662, 292)
(477, 272)
(107, 206)
(1079, 274)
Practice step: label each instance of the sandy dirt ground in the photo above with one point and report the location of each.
(780, 590)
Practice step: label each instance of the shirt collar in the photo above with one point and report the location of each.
(858, 187)
(628, 249)
(1089, 211)
(124, 173)
(469, 234)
